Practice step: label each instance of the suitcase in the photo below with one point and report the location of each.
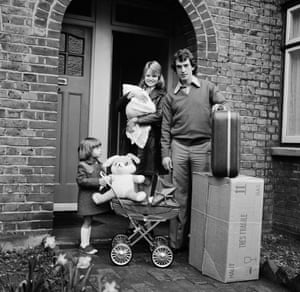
(225, 153)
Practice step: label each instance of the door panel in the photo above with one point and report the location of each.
(73, 110)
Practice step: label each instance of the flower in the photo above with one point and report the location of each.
(49, 241)
(84, 262)
(111, 287)
(61, 260)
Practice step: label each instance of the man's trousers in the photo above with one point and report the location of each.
(186, 160)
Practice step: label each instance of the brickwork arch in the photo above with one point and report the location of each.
(48, 17)
(204, 29)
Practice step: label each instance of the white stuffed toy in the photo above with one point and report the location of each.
(122, 179)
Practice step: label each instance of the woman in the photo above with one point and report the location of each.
(152, 81)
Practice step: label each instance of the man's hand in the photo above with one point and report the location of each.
(167, 163)
(219, 106)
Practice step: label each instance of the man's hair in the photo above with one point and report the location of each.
(183, 55)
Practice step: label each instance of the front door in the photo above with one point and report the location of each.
(130, 54)
(73, 110)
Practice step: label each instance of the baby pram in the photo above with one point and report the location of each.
(144, 217)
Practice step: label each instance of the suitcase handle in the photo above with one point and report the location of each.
(219, 107)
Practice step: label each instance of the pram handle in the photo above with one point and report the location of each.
(104, 175)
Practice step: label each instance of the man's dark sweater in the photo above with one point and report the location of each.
(187, 117)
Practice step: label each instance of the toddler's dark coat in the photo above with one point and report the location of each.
(88, 175)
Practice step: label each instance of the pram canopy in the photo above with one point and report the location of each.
(160, 201)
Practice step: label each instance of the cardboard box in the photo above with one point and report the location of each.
(226, 219)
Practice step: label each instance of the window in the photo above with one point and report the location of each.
(291, 93)
(71, 54)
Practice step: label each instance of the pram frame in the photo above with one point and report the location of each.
(162, 255)
(139, 229)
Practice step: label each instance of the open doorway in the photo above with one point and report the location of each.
(130, 53)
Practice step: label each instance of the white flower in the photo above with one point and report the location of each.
(61, 260)
(111, 287)
(84, 262)
(49, 241)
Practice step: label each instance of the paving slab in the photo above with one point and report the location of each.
(140, 274)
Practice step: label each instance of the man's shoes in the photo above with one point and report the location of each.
(89, 250)
(179, 250)
(129, 231)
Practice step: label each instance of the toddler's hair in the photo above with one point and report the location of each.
(155, 67)
(86, 147)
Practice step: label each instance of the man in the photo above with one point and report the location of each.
(186, 134)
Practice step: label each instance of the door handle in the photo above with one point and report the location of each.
(62, 81)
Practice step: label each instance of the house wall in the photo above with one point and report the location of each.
(286, 172)
(240, 50)
(237, 46)
(29, 41)
(286, 180)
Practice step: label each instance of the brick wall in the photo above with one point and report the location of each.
(29, 41)
(239, 50)
(286, 186)
(286, 172)
(250, 73)
(237, 43)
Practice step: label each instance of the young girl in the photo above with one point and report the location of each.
(89, 182)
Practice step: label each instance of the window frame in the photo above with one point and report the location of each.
(91, 18)
(137, 4)
(289, 46)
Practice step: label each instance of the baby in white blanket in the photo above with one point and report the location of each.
(140, 104)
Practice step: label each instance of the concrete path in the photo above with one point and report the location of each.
(140, 275)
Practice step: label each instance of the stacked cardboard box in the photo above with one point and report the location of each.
(226, 220)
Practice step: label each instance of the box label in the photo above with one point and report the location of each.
(243, 230)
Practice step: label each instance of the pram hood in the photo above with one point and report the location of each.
(162, 205)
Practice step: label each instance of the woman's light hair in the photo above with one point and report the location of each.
(154, 67)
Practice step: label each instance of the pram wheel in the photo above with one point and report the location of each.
(121, 254)
(160, 240)
(119, 238)
(162, 256)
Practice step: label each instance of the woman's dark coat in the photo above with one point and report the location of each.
(150, 155)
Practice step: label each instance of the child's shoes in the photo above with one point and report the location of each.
(89, 250)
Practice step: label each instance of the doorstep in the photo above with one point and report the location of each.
(66, 228)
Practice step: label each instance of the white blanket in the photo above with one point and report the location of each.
(139, 104)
